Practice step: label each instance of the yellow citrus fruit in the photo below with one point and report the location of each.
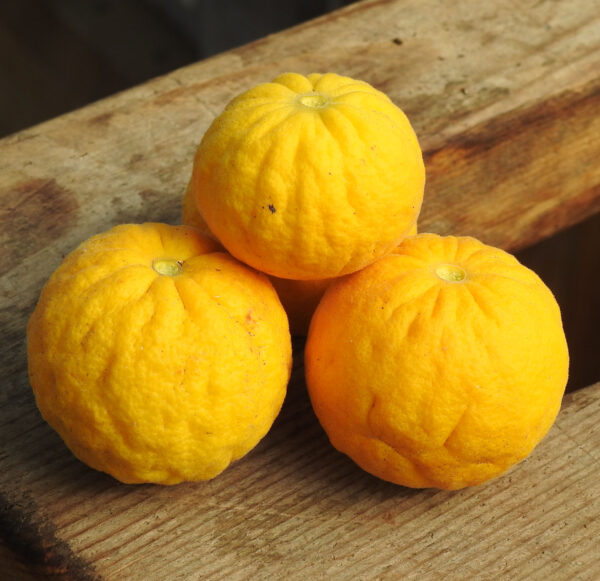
(156, 357)
(299, 297)
(309, 177)
(439, 366)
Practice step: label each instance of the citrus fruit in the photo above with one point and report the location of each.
(156, 357)
(298, 297)
(301, 297)
(309, 177)
(441, 365)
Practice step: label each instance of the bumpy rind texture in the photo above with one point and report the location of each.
(156, 378)
(307, 192)
(432, 383)
(298, 297)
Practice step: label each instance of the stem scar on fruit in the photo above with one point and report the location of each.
(450, 273)
(313, 100)
(167, 266)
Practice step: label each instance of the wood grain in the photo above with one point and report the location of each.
(504, 98)
(297, 509)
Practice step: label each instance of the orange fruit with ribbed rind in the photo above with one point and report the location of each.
(156, 356)
(299, 297)
(441, 365)
(309, 177)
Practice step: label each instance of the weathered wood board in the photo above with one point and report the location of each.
(505, 100)
(296, 509)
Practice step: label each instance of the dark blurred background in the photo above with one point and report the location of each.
(58, 55)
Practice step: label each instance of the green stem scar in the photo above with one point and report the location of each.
(450, 273)
(313, 100)
(167, 266)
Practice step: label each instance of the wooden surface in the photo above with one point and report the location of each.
(505, 100)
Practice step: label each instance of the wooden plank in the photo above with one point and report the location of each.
(504, 99)
(13, 565)
(297, 509)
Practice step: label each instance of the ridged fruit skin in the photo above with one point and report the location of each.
(156, 377)
(309, 177)
(441, 365)
(298, 297)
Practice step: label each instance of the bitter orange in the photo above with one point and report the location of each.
(309, 177)
(157, 357)
(298, 297)
(441, 365)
